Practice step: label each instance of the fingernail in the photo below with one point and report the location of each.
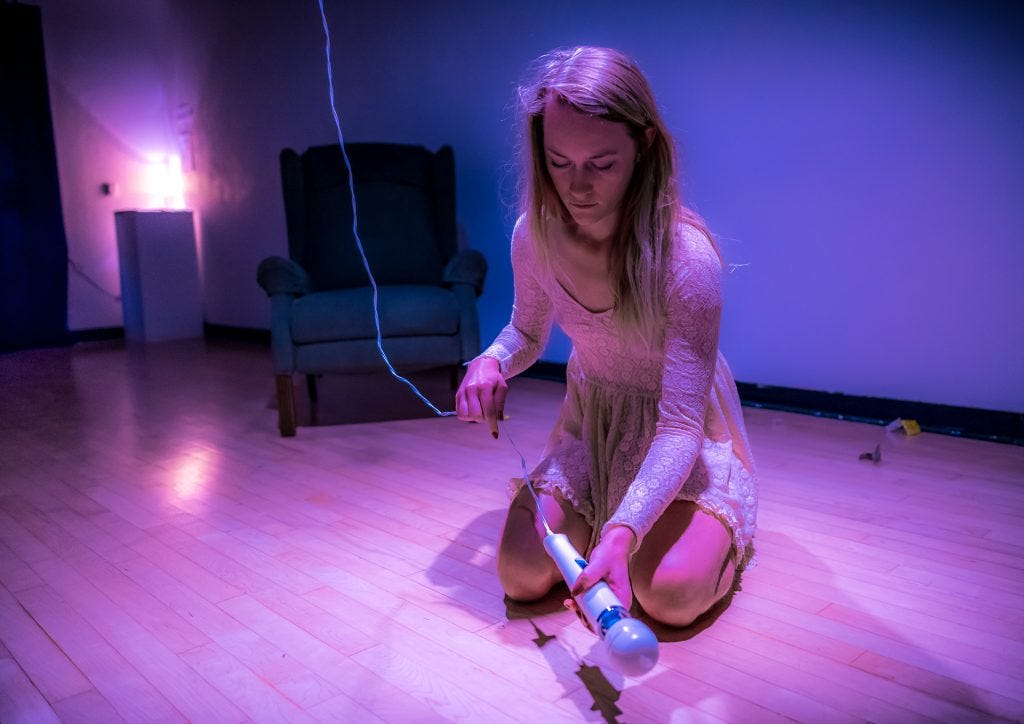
(494, 435)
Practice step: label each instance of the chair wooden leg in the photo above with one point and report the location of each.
(311, 387)
(285, 406)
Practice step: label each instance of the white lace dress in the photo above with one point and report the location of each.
(639, 428)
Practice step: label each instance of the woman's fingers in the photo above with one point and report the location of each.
(500, 393)
(608, 562)
(469, 407)
(624, 592)
(481, 396)
(488, 411)
(480, 403)
(584, 581)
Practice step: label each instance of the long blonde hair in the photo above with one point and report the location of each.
(603, 82)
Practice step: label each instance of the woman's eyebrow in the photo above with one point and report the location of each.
(600, 154)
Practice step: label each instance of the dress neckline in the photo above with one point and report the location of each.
(578, 303)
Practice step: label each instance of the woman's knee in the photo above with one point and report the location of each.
(684, 566)
(524, 580)
(676, 597)
(524, 569)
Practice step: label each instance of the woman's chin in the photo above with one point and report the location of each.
(584, 215)
(593, 221)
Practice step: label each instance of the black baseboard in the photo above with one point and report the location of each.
(97, 334)
(972, 422)
(210, 331)
(238, 334)
(994, 425)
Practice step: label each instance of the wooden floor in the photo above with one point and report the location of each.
(164, 555)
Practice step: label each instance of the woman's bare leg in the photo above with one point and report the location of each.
(684, 566)
(525, 570)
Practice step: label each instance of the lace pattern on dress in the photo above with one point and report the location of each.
(639, 428)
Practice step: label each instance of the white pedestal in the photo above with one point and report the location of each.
(159, 275)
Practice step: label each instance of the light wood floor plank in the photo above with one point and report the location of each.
(245, 689)
(127, 691)
(43, 662)
(166, 555)
(267, 662)
(20, 701)
(180, 684)
(86, 708)
(367, 693)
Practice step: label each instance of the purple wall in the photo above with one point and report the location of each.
(107, 74)
(864, 163)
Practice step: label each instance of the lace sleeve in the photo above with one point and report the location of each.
(693, 313)
(523, 339)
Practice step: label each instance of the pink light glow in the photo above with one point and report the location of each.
(192, 473)
(164, 182)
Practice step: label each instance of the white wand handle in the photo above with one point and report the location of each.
(632, 645)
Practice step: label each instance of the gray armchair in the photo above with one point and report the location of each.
(321, 302)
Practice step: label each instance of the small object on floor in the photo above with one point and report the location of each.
(911, 427)
(874, 456)
(908, 427)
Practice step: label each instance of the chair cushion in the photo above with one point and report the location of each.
(405, 310)
(407, 354)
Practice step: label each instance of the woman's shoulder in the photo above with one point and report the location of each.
(524, 246)
(522, 238)
(694, 251)
(521, 227)
(693, 244)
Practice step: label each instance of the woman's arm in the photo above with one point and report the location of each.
(693, 314)
(481, 396)
(523, 339)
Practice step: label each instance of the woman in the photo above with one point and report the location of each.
(648, 468)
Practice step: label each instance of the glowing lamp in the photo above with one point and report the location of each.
(164, 182)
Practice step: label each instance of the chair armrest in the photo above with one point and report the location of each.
(467, 267)
(278, 275)
(469, 320)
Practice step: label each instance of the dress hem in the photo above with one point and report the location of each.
(742, 551)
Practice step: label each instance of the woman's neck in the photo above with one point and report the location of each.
(581, 266)
(595, 238)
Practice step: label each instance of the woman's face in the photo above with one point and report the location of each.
(591, 162)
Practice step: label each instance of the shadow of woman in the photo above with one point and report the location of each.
(524, 625)
(844, 656)
(475, 545)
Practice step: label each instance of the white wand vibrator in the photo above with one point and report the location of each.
(632, 645)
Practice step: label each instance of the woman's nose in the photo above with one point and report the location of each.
(579, 181)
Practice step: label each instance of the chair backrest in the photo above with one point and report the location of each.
(405, 199)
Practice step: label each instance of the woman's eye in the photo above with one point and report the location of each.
(557, 164)
(603, 167)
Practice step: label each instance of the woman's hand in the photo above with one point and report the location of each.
(481, 396)
(609, 561)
